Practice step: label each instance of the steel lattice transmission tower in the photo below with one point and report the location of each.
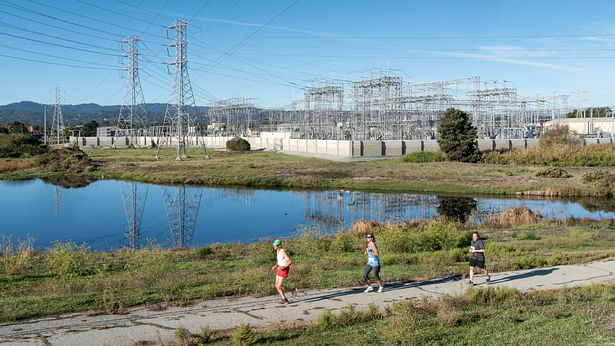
(181, 109)
(182, 209)
(133, 197)
(57, 125)
(133, 112)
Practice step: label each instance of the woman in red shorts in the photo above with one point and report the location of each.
(282, 266)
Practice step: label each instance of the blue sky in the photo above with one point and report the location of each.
(541, 46)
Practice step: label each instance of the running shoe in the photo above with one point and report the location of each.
(368, 289)
(488, 278)
(471, 283)
(284, 301)
(380, 289)
(295, 292)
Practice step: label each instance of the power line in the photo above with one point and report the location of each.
(54, 63)
(53, 36)
(57, 44)
(57, 57)
(256, 33)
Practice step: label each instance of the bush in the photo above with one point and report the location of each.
(599, 177)
(181, 334)
(65, 260)
(433, 236)
(237, 144)
(18, 145)
(326, 320)
(552, 172)
(244, 335)
(458, 136)
(204, 252)
(558, 136)
(424, 156)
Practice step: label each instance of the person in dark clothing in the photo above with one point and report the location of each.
(477, 259)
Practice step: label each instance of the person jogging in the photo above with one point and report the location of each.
(477, 259)
(282, 266)
(373, 263)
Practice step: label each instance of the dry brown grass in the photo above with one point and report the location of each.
(361, 226)
(8, 166)
(513, 217)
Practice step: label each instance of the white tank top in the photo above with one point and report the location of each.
(281, 259)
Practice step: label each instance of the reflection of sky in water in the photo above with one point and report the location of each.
(95, 214)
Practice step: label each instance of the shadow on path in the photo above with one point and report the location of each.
(387, 288)
(537, 272)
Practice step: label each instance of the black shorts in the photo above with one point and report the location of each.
(477, 263)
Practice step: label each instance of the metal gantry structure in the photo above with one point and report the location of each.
(235, 116)
(57, 124)
(181, 205)
(181, 110)
(382, 106)
(133, 113)
(134, 196)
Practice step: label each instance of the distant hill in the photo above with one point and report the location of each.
(31, 113)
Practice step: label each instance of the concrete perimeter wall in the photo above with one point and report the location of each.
(349, 149)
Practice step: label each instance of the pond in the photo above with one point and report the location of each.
(110, 214)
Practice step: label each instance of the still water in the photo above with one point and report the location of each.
(110, 214)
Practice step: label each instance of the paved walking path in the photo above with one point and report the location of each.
(141, 324)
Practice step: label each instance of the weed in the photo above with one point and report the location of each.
(326, 320)
(244, 335)
(15, 254)
(181, 334)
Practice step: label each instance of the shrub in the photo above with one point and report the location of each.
(326, 320)
(19, 145)
(433, 236)
(458, 136)
(424, 156)
(599, 177)
(349, 316)
(531, 236)
(526, 262)
(204, 252)
(244, 335)
(552, 172)
(237, 144)
(65, 260)
(558, 136)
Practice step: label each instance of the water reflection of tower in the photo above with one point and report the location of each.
(181, 205)
(390, 207)
(58, 203)
(133, 199)
(245, 196)
(325, 209)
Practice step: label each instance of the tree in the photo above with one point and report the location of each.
(458, 137)
(456, 208)
(89, 129)
(17, 127)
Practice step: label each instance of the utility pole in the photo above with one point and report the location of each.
(58, 118)
(134, 102)
(182, 98)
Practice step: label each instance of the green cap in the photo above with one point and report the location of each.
(277, 242)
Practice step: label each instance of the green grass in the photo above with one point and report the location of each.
(572, 316)
(280, 171)
(70, 279)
